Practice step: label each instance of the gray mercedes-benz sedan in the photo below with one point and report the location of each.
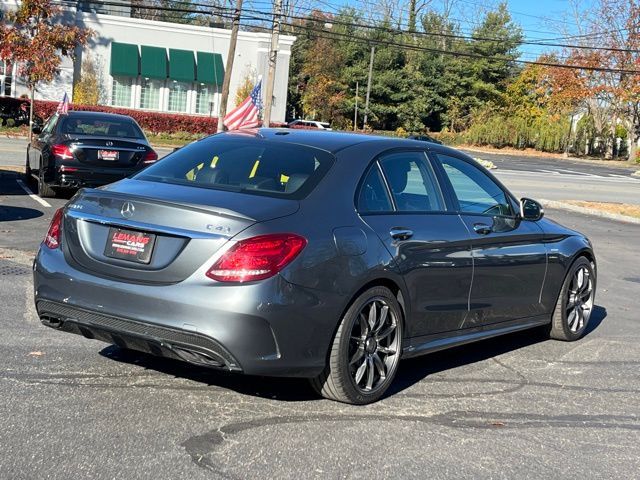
(310, 254)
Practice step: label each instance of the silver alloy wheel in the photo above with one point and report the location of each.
(579, 300)
(373, 345)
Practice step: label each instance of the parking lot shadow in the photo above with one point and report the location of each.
(411, 371)
(284, 389)
(11, 214)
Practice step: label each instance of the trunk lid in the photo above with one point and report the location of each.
(107, 152)
(188, 226)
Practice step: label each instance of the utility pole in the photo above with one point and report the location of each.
(355, 115)
(273, 56)
(366, 104)
(229, 66)
(566, 146)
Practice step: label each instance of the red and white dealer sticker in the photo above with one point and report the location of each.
(130, 245)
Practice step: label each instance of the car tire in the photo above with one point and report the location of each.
(44, 190)
(365, 351)
(575, 302)
(27, 170)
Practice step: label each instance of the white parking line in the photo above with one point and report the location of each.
(31, 194)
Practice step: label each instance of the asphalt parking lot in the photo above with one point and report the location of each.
(511, 407)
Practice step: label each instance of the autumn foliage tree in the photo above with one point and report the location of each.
(610, 91)
(34, 37)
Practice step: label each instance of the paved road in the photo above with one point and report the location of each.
(512, 407)
(564, 179)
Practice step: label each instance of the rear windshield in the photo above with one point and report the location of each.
(243, 164)
(100, 126)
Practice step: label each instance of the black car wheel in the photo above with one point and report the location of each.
(44, 190)
(27, 170)
(366, 350)
(575, 302)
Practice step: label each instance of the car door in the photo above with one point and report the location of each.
(39, 142)
(509, 257)
(401, 201)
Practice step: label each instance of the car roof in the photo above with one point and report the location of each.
(89, 114)
(334, 141)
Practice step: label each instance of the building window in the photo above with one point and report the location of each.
(178, 96)
(150, 94)
(6, 71)
(205, 103)
(121, 92)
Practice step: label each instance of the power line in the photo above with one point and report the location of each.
(433, 34)
(406, 46)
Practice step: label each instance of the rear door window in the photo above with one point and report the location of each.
(412, 182)
(373, 196)
(244, 164)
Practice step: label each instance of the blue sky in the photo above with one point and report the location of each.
(540, 19)
(543, 19)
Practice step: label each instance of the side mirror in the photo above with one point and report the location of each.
(530, 210)
(36, 129)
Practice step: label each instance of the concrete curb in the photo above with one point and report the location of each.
(589, 211)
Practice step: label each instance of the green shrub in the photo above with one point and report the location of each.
(545, 133)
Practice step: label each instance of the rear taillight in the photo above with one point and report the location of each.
(257, 258)
(52, 239)
(150, 157)
(62, 151)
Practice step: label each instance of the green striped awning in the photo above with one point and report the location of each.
(153, 62)
(210, 68)
(125, 60)
(182, 65)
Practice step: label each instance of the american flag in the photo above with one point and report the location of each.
(63, 106)
(246, 115)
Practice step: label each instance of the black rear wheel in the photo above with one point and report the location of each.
(44, 190)
(27, 170)
(366, 350)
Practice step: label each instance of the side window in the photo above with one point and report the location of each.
(373, 195)
(412, 182)
(476, 192)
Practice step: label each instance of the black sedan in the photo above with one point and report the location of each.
(313, 254)
(86, 149)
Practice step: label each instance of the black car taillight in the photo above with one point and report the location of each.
(62, 151)
(150, 157)
(52, 239)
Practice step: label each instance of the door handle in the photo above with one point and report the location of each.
(481, 228)
(400, 233)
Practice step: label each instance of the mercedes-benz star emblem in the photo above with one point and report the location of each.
(127, 210)
(109, 144)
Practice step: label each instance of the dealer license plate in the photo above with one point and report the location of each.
(130, 245)
(110, 155)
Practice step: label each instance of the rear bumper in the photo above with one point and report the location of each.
(267, 328)
(90, 177)
(161, 341)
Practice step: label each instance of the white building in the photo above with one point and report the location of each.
(160, 66)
